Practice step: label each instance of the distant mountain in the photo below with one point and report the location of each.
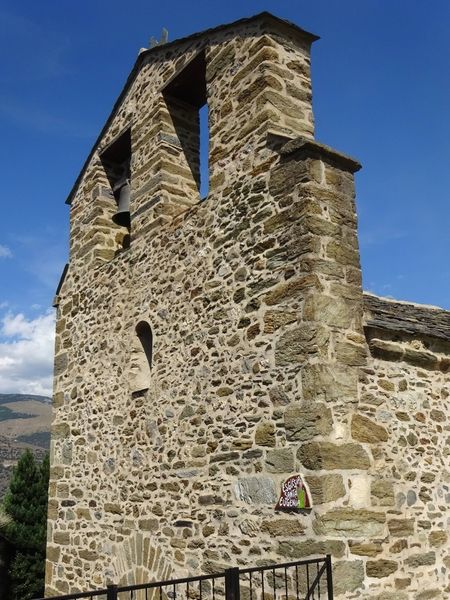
(25, 421)
(7, 398)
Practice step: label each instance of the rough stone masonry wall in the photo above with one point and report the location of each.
(261, 364)
(406, 389)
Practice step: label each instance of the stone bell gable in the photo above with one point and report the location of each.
(254, 76)
(209, 349)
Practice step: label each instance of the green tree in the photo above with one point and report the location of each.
(26, 504)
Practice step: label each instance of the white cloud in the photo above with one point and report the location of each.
(5, 252)
(26, 354)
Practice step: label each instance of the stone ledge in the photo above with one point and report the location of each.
(312, 149)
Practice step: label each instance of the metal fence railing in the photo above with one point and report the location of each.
(302, 580)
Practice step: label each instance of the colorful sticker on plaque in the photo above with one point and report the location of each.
(294, 495)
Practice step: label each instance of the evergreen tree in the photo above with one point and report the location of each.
(26, 503)
(5, 555)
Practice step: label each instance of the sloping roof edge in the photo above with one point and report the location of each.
(406, 317)
(141, 57)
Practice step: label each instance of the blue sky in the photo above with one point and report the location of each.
(381, 93)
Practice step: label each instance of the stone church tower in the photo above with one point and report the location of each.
(209, 348)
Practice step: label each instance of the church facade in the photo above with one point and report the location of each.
(209, 349)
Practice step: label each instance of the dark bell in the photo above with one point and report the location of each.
(122, 216)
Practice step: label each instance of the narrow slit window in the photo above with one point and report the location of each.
(141, 358)
(145, 335)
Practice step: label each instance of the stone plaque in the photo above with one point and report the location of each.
(294, 495)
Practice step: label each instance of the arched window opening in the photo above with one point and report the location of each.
(185, 95)
(116, 160)
(145, 335)
(141, 357)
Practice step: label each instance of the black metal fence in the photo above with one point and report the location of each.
(301, 580)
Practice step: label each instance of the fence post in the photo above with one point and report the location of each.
(329, 577)
(232, 584)
(112, 592)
